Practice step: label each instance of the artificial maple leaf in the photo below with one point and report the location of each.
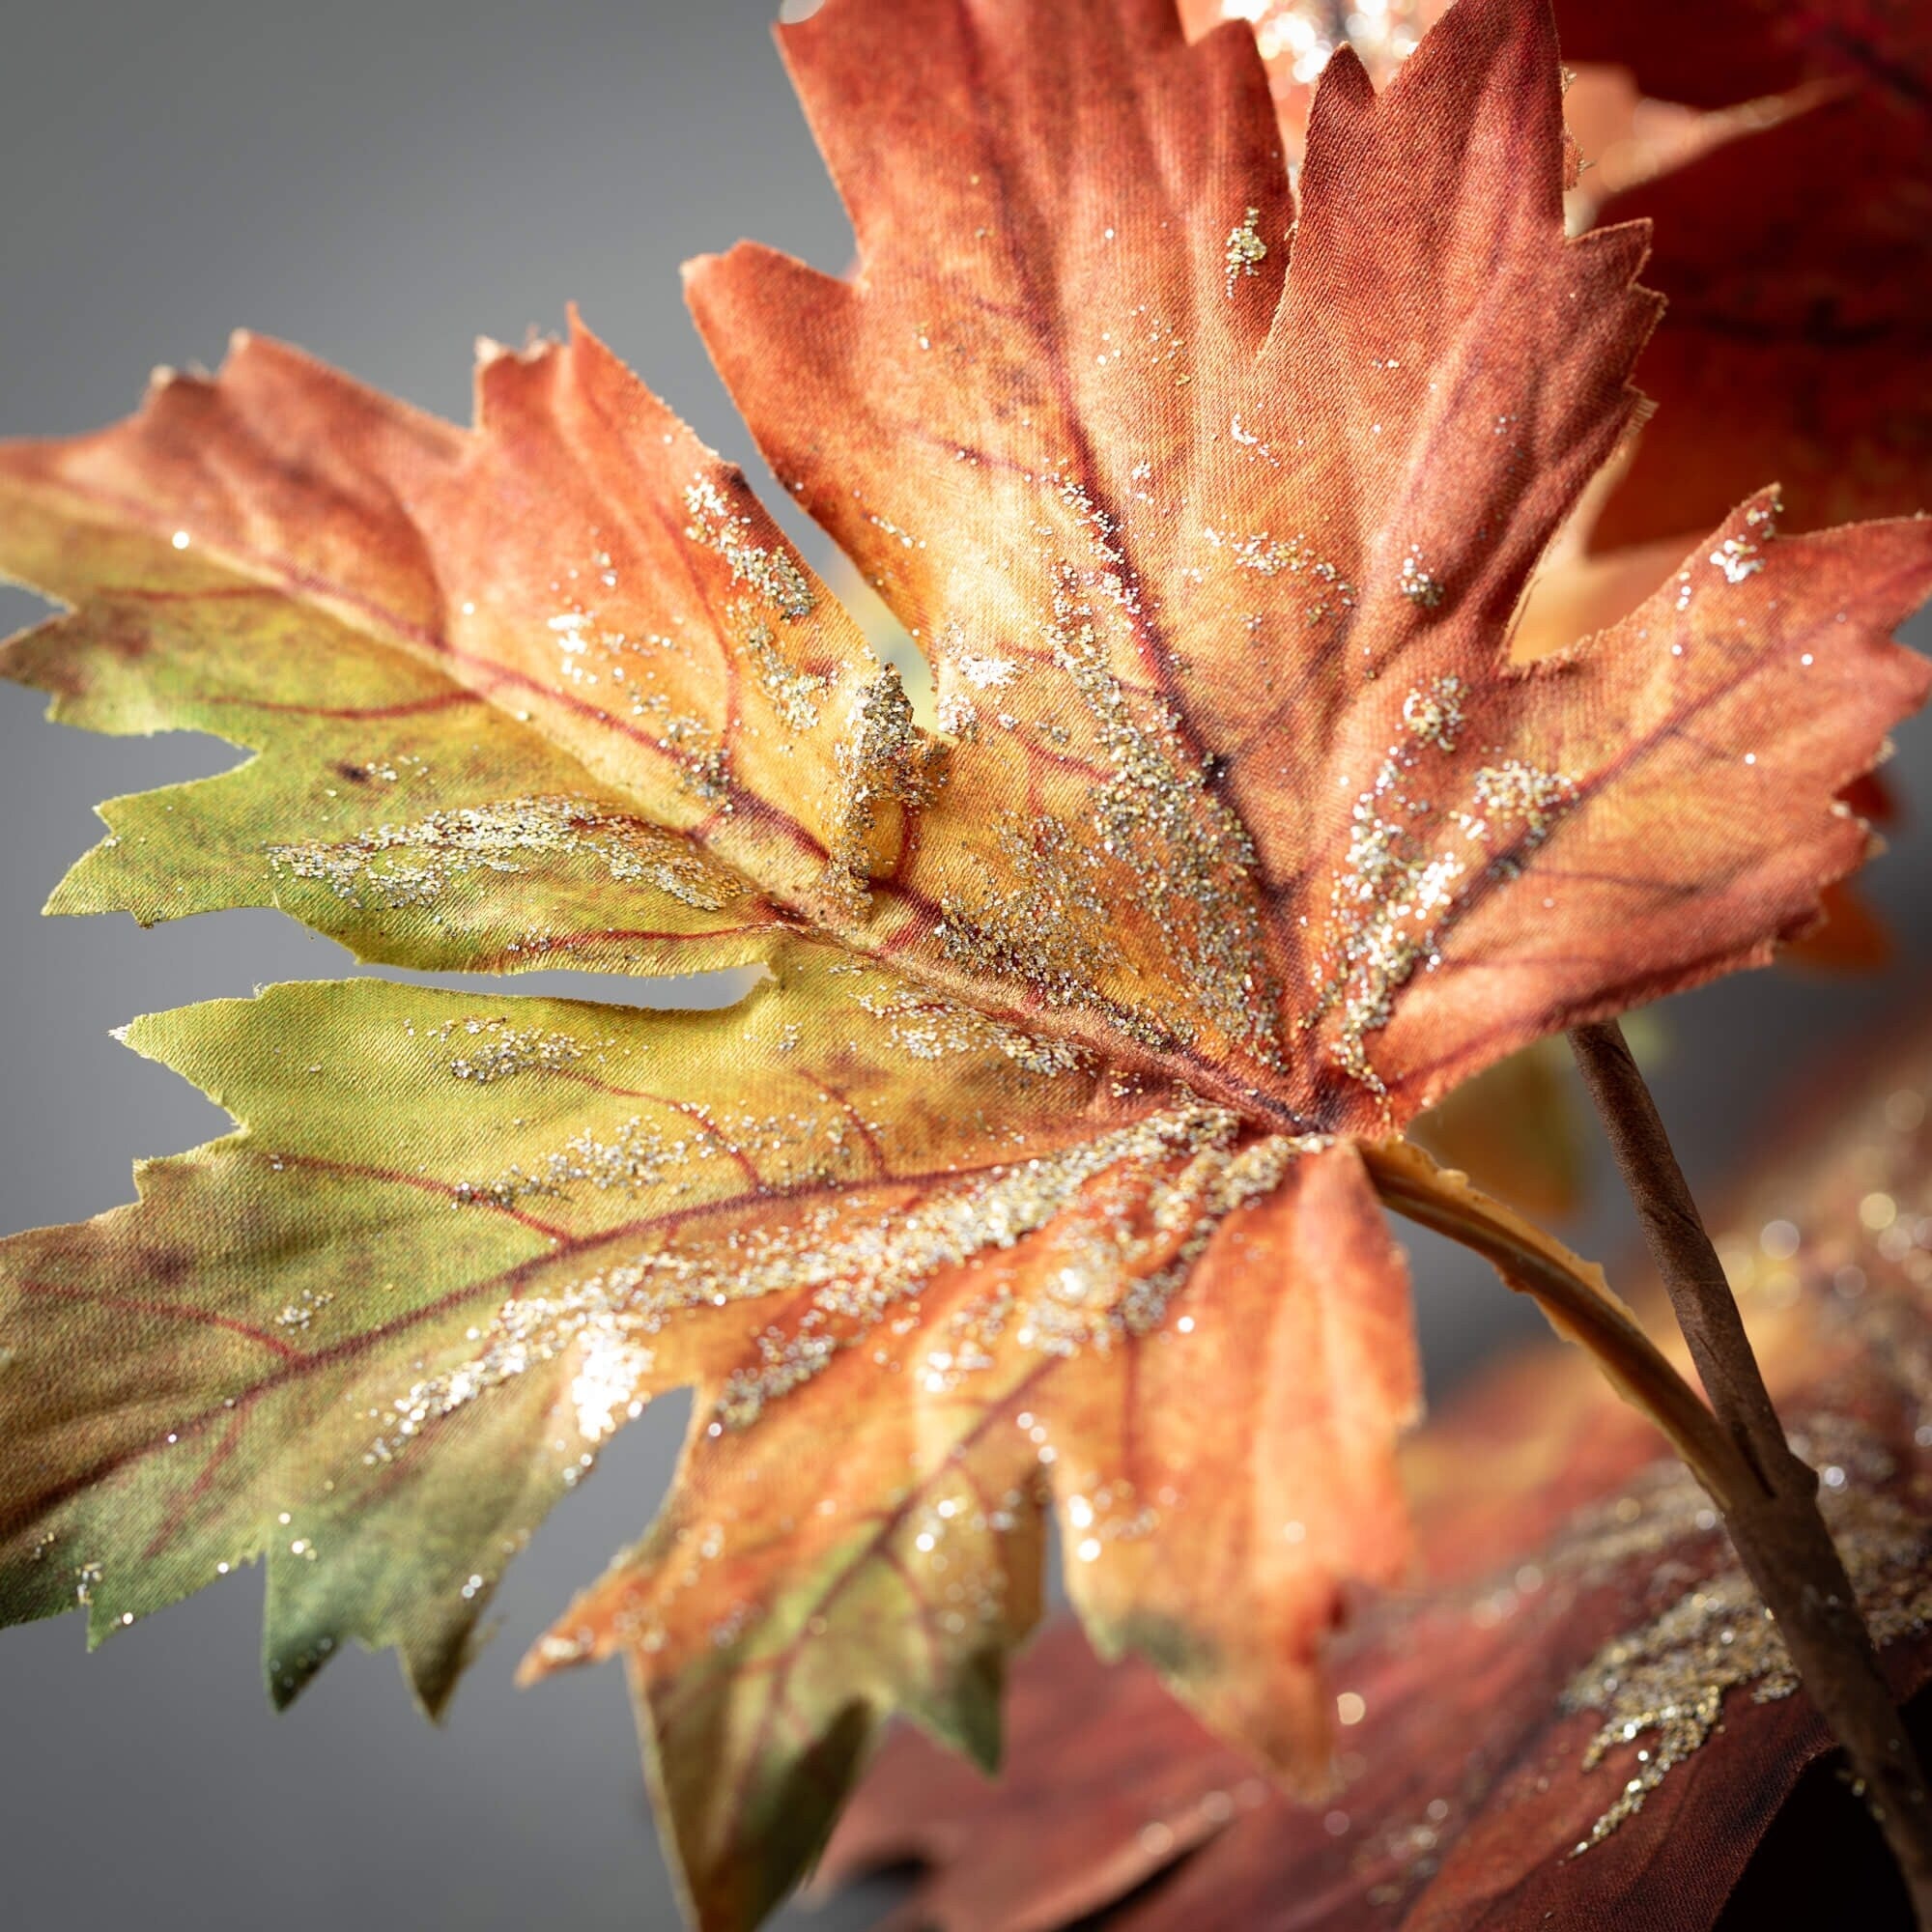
(1141, 506)
(1790, 219)
(1585, 1718)
(1029, 1172)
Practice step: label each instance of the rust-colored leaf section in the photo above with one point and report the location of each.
(1209, 511)
(1147, 1361)
(1585, 1714)
(1278, 1498)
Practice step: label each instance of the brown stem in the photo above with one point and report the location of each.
(1571, 1292)
(1773, 1521)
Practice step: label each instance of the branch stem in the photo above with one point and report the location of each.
(1773, 1516)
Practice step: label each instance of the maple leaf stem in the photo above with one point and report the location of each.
(1773, 1518)
(1572, 1293)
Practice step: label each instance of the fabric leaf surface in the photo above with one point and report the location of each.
(1024, 1180)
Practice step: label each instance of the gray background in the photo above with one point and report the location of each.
(381, 180)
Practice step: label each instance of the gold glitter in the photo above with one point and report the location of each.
(1047, 912)
(852, 1275)
(1738, 559)
(1417, 585)
(298, 1314)
(414, 865)
(1397, 891)
(1435, 716)
(1665, 1682)
(637, 1156)
(958, 716)
(770, 573)
(609, 1374)
(1263, 554)
(496, 1050)
(1525, 792)
(985, 673)
(1385, 907)
(1246, 250)
(1041, 922)
(1268, 556)
(929, 1027)
(690, 742)
(884, 758)
(794, 693)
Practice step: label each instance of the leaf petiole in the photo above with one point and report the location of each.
(1573, 1295)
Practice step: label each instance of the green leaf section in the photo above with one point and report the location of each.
(913, 1611)
(388, 806)
(373, 1335)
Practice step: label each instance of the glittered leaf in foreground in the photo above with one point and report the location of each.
(1028, 1180)
(374, 1335)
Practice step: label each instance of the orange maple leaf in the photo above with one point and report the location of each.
(1788, 196)
(1036, 1172)
(1346, 471)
